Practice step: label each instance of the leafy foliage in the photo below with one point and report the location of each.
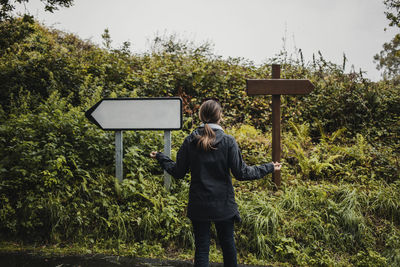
(393, 12)
(339, 203)
(49, 5)
(388, 58)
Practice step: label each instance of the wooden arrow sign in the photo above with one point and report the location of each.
(137, 113)
(279, 87)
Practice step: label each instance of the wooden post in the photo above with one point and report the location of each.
(276, 126)
(277, 87)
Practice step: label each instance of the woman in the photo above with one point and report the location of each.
(211, 155)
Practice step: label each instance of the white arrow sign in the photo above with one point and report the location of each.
(137, 113)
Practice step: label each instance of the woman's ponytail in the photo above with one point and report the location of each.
(207, 138)
(210, 112)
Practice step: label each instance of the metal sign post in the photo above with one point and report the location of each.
(167, 151)
(121, 114)
(118, 155)
(277, 87)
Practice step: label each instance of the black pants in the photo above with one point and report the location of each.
(202, 242)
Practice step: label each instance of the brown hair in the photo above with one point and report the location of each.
(210, 112)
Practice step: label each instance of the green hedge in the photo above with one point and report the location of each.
(339, 203)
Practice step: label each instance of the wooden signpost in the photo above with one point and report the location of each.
(277, 87)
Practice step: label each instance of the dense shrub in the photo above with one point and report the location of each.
(339, 203)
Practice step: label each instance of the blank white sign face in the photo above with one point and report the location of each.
(138, 114)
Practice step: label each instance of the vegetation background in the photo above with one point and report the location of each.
(340, 199)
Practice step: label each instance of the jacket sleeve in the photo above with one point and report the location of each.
(239, 168)
(179, 168)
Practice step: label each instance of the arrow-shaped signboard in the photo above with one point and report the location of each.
(119, 114)
(137, 114)
(279, 87)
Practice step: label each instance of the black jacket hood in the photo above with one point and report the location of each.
(219, 133)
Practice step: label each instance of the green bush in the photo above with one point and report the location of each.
(339, 202)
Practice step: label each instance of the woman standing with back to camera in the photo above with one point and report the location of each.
(210, 155)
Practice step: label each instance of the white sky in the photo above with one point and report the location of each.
(253, 29)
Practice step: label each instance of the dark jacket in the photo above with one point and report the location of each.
(211, 194)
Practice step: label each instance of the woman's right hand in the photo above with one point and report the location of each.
(277, 166)
(153, 154)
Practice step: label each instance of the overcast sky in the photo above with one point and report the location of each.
(253, 29)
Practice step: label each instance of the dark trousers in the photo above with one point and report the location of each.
(202, 242)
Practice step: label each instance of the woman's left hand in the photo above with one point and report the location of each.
(277, 166)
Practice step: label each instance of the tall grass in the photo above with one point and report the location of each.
(317, 219)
